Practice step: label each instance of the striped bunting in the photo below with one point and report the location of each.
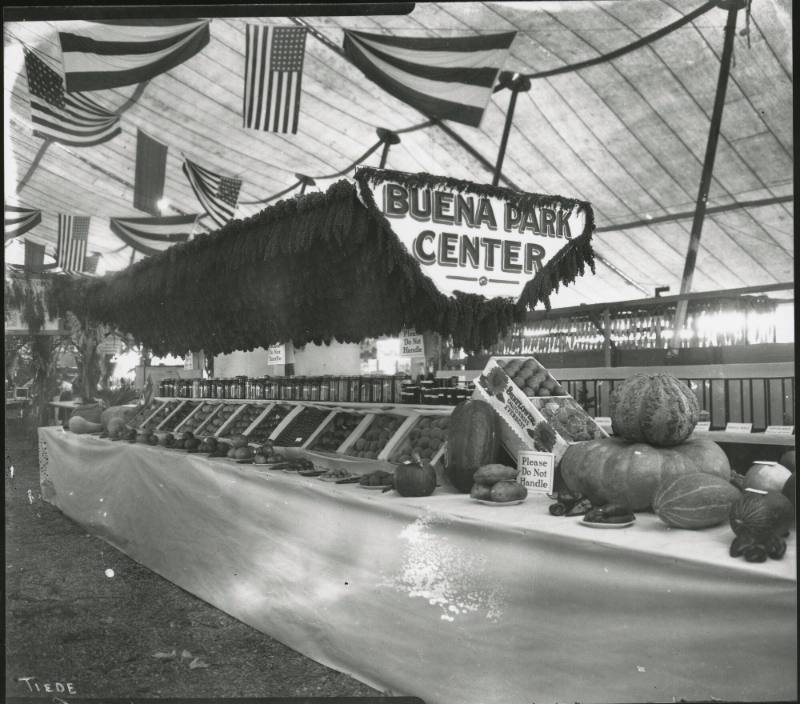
(74, 119)
(217, 194)
(118, 53)
(73, 237)
(17, 221)
(444, 77)
(153, 235)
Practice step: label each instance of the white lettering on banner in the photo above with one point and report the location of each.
(276, 354)
(536, 471)
(738, 427)
(780, 429)
(477, 244)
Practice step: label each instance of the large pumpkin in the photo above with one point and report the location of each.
(614, 471)
(123, 412)
(654, 408)
(471, 442)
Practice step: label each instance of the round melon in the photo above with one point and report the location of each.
(694, 501)
(471, 442)
(761, 514)
(611, 470)
(658, 409)
(787, 460)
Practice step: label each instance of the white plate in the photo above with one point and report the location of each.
(335, 479)
(379, 486)
(499, 503)
(593, 524)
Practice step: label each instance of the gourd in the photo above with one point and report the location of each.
(761, 515)
(79, 425)
(471, 442)
(92, 413)
(694, 501)
(658, 409)
(611, 470)
(416, 478)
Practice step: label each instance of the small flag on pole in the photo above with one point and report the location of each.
(273, 76)
(153, 235)
(69, 119)
(17, 221)
(122, 52)
(73, 236)
(90, 263)
(217, 194)
(447, 77)
(151, 167)
(34, 256)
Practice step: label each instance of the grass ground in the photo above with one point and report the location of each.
(131, 634)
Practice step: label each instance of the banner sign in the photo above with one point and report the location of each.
(483, 244)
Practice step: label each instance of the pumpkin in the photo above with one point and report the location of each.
(761, 514)
(766, 476)
(611, 470)
(123, 412)
(787, 460)
(654, 408)
(471, 442)
(694, 501)
(415, 478)
(92, 413)
(79, 425)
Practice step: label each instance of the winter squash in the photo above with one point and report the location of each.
(694, 501)
(471, 442)
(766, 476)
(787, 460)
(79, 425)
(92, 413)
(611, 470)
(654, 408)
(416, 478)
(123, 412)
(761, 514)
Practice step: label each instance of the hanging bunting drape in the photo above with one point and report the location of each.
(17, 221)
(153, 235)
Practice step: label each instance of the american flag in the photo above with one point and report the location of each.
(217, 194)
(72, 119)
(73, 236)
(273, 74)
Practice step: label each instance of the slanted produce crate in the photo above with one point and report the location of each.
(166, 409)
(174, 419)
(427, 436)
(375, 434)
(215, 422)
(268, 422)
(335, 431)
(302, 426)
(239, 423)
(519, 389)
(144, 413)
(197, 417)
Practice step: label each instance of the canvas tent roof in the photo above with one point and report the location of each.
(628, 135)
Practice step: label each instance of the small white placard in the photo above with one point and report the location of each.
(536, 471)
(188, 361)
(603, 420)
(411, 344)
(703, 426)
(780, 429)
(276, 354)
(738, 427)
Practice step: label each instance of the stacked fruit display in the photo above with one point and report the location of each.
(568, 419)
(222, 416)
(152, 422)
(336, 431)
(301, 427)
(200, 416)
(244, 419)
(375, 437)
(531, 377)
(179, 416)
(268, 423)
(143, 413)
(425, 438)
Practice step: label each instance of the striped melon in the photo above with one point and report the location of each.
(695, 501)
(658, 409)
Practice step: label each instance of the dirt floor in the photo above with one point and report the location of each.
(82, 615)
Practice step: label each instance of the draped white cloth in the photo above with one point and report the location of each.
(442, 597)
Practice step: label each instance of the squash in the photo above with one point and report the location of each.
(766, 476)
(694, 501)
(787, 460)
(761, 514)
(658, 409)
(123, 412)
(611, 470)
(91, 412)
(416, 478)
(790, 490)
(79, 425)
(471, 442)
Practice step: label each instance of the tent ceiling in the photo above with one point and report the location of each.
(627, 135)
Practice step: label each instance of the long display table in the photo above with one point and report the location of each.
(442, 597)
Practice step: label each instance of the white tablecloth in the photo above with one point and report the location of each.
(442, 597)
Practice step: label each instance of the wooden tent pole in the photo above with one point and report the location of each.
(42, 149)
(733, 7)
(517, 84)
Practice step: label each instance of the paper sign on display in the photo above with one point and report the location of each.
(188, 361)
(703, 426)
(780, 429)
(490, 246)
(536, 471)
(276, 354)
(411, 344)
(738, 427)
